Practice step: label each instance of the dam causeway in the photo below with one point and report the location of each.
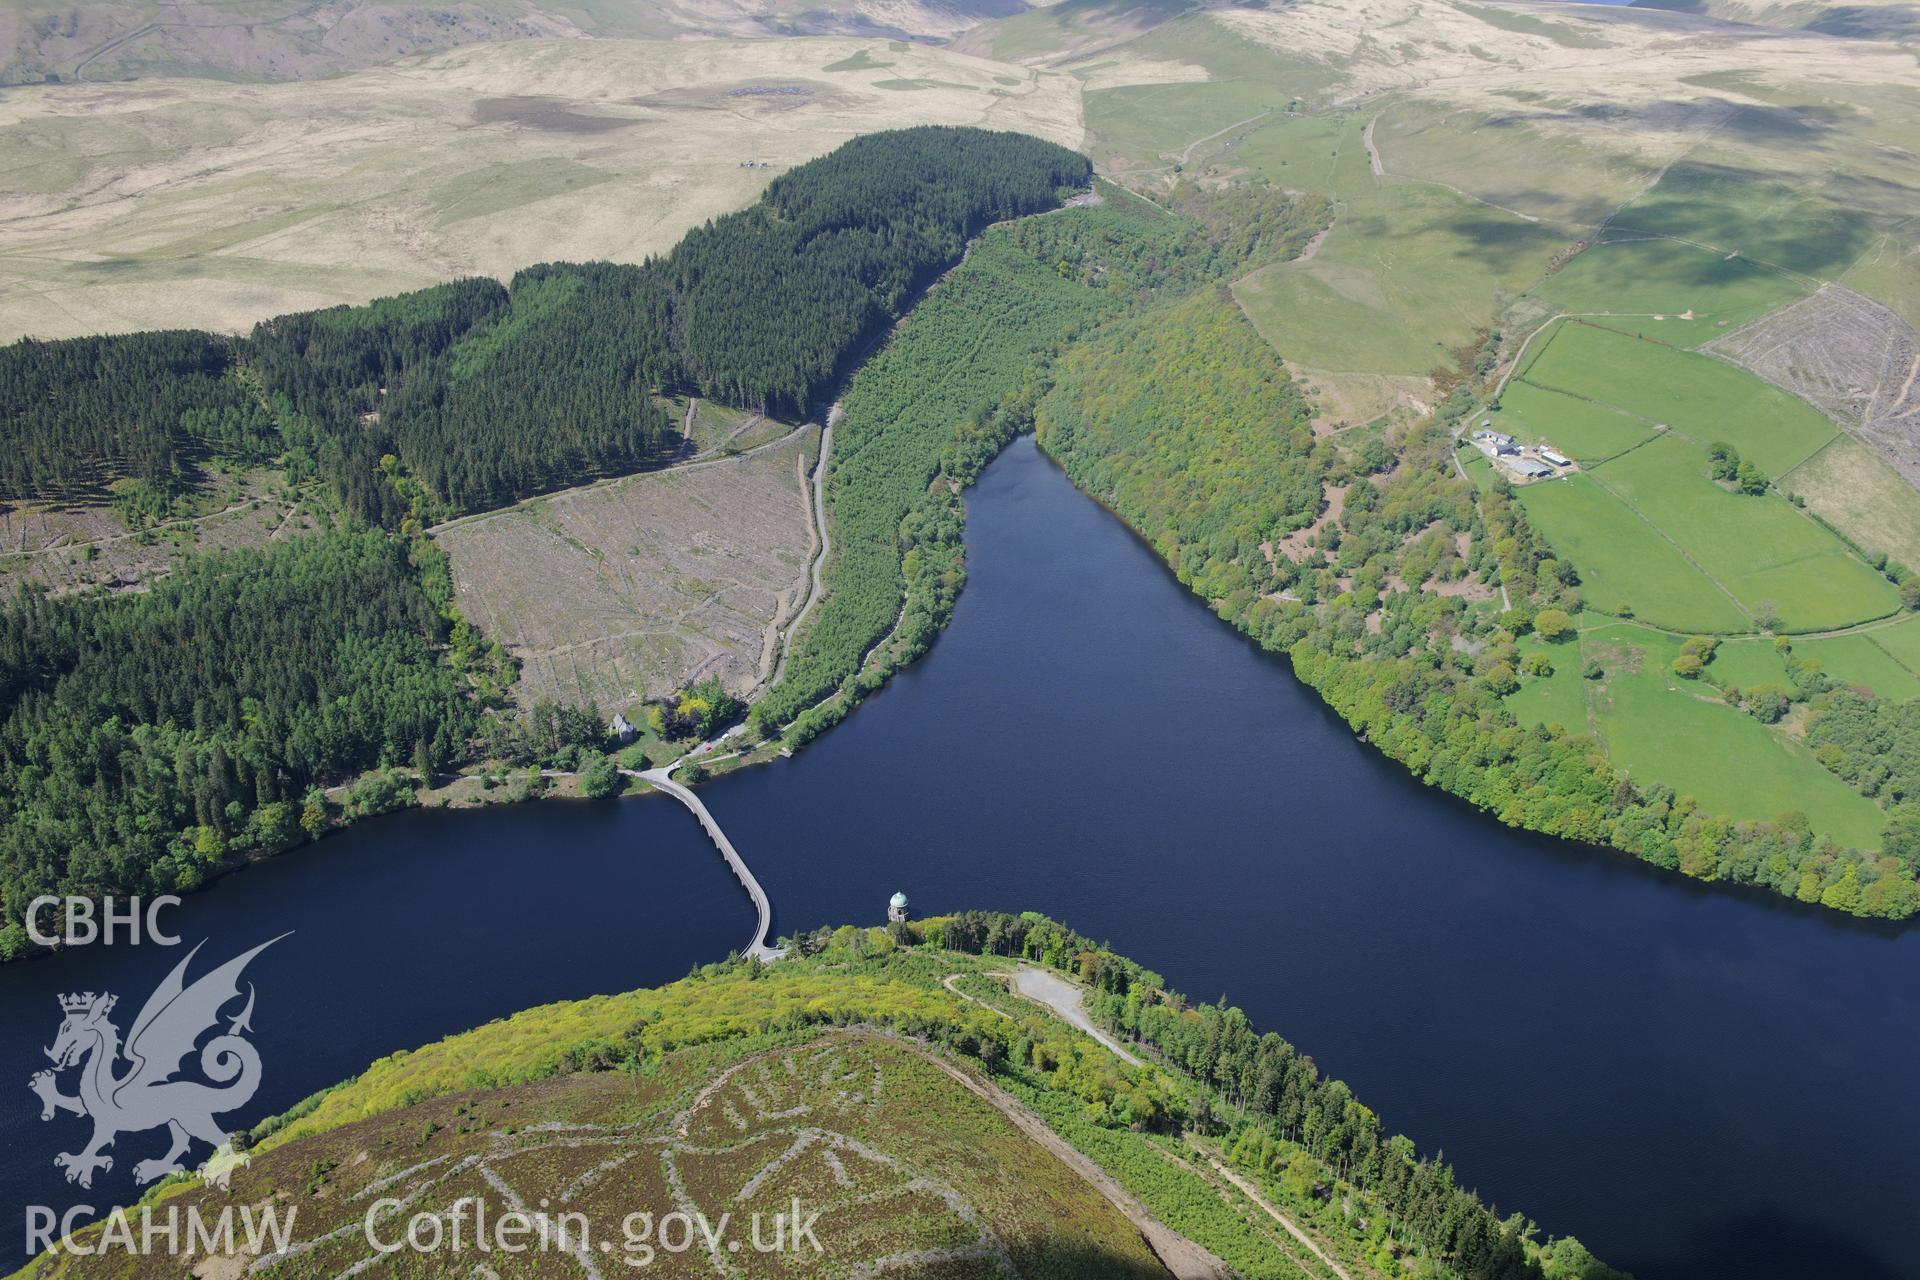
(758, 948)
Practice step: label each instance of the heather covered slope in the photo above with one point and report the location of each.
(942, 1124)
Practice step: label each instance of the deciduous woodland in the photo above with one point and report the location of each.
(1375, 604)
(148, 741)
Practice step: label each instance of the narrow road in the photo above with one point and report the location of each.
(1252, 1193)
(757, 947)
(1373, 152)
(1187, 154)
(1183, 1259)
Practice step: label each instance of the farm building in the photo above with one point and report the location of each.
(1558, 461)
(1531, 469)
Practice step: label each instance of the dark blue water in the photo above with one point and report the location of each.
(1698, 1083)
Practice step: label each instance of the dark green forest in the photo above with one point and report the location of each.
(767, 305)
(482, 394)
(148, 738)
(80, 414)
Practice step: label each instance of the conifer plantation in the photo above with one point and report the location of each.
(485, 394)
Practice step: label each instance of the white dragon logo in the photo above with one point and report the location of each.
(146, 1096)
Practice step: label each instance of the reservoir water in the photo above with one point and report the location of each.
(1697, 1082)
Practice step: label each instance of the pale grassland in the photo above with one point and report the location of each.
(1858, 494)
(1792, 144)
(103, 40)
(169, 203)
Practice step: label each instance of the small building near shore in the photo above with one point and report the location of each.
(622, 730)
(897, 909)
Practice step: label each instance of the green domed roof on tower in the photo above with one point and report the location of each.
(898, 900)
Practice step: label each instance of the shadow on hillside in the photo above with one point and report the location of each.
(1080, 1259)
(1884, 22)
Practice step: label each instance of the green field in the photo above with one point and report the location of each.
(1757, 547)
(1644, 278)
(1747, 663)
(1661, 728)
(1623, 561)
(1901, 641)
(1696, 395)
(1478, 469)
(1858, 659)
(1500, 156)
(1731, 208)
(1560, 698)
(1581, 429)
(1647, 527)
(1133, 127)
(1409, 272)
(1143, 125)
(1321, 154)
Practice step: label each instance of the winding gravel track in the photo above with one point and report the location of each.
(815, 586)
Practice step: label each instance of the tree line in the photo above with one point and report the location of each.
(481, 394)
(1264, 1087)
